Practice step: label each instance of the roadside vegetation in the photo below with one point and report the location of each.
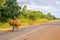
(10, 9)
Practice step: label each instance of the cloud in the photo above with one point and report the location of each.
(44, 8)
(31, 2)
(57, 2)
(21, 0)
(42, 5)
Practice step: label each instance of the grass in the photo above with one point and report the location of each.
(4, 25)
(41, 20)
(24, 23)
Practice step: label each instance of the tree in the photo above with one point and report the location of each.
(50, 17)
(2, 2)
(34, 15)
(11, 9)
(24, 8)
(38, 14)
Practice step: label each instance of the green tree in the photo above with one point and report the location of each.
(24, 8)
(38, 14)
(33, 15)
(50, 17)
(11, 9)
(2, 2)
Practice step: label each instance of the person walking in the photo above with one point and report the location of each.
(15, 24)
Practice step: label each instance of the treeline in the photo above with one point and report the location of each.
(10, 9)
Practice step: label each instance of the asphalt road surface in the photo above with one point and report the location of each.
(48, 31)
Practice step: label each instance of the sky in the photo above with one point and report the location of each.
(45, 6)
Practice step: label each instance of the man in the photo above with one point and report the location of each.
(15, 23)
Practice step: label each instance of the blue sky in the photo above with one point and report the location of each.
(45, 6)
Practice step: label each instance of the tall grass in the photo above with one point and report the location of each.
(24, 22)
(4, 25)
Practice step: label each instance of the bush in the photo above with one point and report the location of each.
(41, 20)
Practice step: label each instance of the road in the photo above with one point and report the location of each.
(48, 31)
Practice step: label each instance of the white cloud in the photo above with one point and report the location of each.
(57, 2)
(37, 7)
(43, 0)
(42, 5)
(21, 0)
(43, 8)
(31, 2)
(34, 6)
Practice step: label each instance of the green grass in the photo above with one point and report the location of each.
(24, 22)
(4, 25)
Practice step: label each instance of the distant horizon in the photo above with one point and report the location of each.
(42, 5)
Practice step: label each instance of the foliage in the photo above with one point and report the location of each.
(10, 10)
(2, 2)
(34, 15)
(50, 17)
(4, 25)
